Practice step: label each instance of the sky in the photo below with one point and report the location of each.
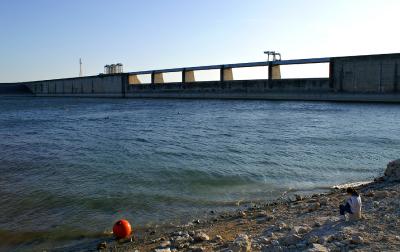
(44, 39)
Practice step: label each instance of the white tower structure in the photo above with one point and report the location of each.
(80, 67)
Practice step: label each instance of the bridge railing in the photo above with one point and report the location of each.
(226, 73)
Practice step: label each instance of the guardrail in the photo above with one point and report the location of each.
(226, 70)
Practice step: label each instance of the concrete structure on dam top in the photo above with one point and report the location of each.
(367, 78)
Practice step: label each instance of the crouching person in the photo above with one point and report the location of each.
(352, 206)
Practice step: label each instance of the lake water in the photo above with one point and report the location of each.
(71, 167)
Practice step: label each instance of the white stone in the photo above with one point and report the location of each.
(200, 237)
(318, 248)
(165, 244)
(242, 243)
(302, 229)
(163, 250)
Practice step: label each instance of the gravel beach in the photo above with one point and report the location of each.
(296, 223)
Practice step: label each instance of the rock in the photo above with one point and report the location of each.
(257, 247)
(356, 239)
(178, 241)
(177, 233)
(200, 237)
(317, 224)
(384, 238)
(282, 225)
(381, 194)
(242, 214)
(313, 239)
(301, 246)
(197, 249)
(324, 239)
(392, 172)
(302, 229)
(273, 236)
(275, 243)
(370, 194)
(265, 240)
(298, 197)
(218, 239)
(345, 242)
(375, 204)
(163, 250)
(265, 216)
(183, 245)
(323, 201)
(242, 243)
(270, 235)
(313, 206)
(338, 244)
(318, 248)
(102, 245)
(242, 221)
(397, 238)
(165, 244)
(262, 214)
(261, 220)
(340, 236)
(291, 239)
(196, 222)
(157, 240)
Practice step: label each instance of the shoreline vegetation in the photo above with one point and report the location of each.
(310, 223)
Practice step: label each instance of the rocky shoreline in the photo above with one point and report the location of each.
(293, 224)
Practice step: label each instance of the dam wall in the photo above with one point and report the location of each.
(14, 89)
(93, 86)
(318, 89)
(366, 74)
(239, 89)
(369, 78)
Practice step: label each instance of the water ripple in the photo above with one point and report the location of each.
(67, 160)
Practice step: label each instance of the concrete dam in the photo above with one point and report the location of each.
(367, 78)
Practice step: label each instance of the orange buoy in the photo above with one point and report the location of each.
(122, 229)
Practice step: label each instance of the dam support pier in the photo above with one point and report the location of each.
(369, 78)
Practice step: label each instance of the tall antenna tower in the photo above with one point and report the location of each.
(80, 67)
